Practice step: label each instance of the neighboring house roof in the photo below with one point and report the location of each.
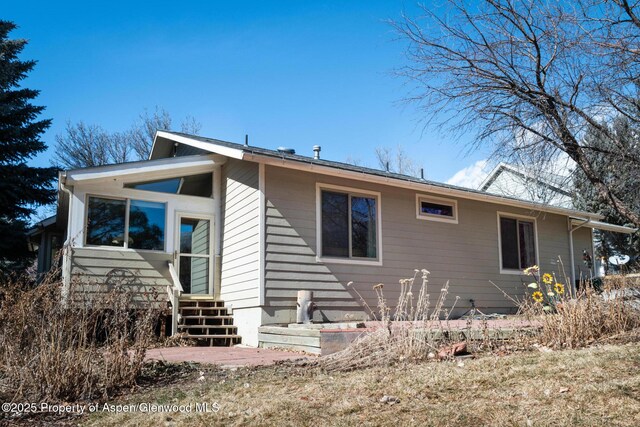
(548, 188)
(165, 143)
(551, 180)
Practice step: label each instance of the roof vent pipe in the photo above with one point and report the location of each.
(246, 140)
(421, 173)
(316, 152)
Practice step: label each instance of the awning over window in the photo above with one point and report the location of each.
(585, 222)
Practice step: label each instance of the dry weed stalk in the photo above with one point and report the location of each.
(414, 330)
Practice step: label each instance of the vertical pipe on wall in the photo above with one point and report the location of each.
(217, 229)
(66, 254)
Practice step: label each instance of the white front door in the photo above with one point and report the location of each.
(194, 254)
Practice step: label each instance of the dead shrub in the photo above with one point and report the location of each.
(572, 319)
(86, 346)
(407, 333)
(589, 317)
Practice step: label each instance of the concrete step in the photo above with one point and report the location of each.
(307, 340)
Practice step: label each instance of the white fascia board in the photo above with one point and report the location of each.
(152, 168)
(492, 176)
(605, 226)
(207, 146)
(394, 182)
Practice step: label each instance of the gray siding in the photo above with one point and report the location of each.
(465, 254)
(240, 285)
(141, 272)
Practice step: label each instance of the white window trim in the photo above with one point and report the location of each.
(439, 200)
(352, 192)
(535, 234)
(124, 247)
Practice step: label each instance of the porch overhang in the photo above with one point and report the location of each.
(599, 225)
(150, 169)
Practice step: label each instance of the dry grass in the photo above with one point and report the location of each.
(52, 350)
(588, 387)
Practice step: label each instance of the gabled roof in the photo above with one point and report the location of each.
(165, 142)
(550, 180)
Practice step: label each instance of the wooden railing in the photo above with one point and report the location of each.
(174, 290)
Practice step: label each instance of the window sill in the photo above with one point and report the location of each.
(512, 272)
(438, 219)
(120, 249)
(349, 261)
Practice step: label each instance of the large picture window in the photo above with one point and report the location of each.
(125, 223)
(517, 243)
(349, 225)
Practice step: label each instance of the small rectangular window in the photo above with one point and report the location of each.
(517, 243)
(349, 225)
(436, 209)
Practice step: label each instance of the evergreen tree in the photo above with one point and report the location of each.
(621, 175)
(22, 187)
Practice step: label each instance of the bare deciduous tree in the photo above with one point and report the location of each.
(530, 76)
(396, 160)
(84, 145)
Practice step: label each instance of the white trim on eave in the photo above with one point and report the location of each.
(153, 169)
(416, 186)
(367, 177)
(225, 151)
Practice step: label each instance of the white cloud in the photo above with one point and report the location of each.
(471, 176)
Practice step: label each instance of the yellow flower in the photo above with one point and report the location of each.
(547, 278)
(559, 288)
(537, 296)
(529, 271)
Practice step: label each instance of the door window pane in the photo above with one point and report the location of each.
(335, 224)
(146, 225)
(363, 227)
(194, 236)
(194, 274)
(105, 222)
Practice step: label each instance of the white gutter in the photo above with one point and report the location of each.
(191, 165)
(417, 186)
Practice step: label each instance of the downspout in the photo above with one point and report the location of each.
(217, 227)
(66, 258)
(573, 261)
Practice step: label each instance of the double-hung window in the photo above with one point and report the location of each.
(125, 223)
(517, 243)
(349, 224)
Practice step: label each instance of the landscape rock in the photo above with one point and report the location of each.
(390, 400)
(452, 350)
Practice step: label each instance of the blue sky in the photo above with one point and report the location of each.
(288, 73)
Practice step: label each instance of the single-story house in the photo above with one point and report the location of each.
(232, 232)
